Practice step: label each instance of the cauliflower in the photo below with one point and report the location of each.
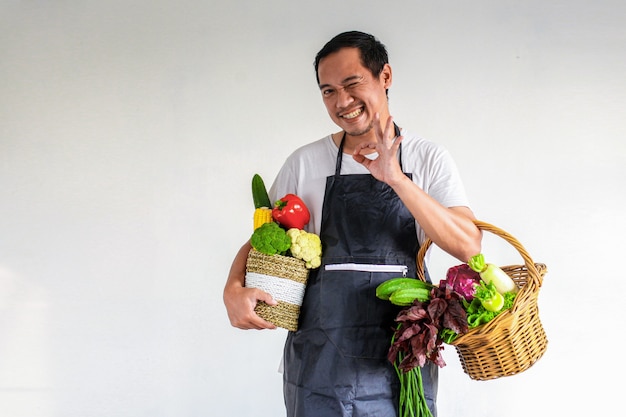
(306, 246)
(270, 239)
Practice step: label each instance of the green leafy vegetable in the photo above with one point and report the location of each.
(489, 296)
(477, 314)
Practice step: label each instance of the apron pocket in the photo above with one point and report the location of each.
(357, 323)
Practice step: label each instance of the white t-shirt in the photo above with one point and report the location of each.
(305, 170)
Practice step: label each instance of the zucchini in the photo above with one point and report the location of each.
(384, 290)
(259, 193)
(406, 296)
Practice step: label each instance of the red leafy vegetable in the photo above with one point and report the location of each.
(417, 336)
(463, 280)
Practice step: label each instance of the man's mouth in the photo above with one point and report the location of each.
(353, 114)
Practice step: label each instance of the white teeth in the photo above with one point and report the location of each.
(353, 114)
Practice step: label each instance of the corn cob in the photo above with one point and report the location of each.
(262, 215)
(262, 205)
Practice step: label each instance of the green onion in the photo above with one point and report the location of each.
(412, 401)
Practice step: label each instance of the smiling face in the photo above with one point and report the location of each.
(351, 94)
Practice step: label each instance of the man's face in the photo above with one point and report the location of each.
(351, 94)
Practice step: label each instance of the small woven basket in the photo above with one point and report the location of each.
(515, 339)
(283, 277)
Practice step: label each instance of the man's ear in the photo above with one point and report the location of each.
(386, 76)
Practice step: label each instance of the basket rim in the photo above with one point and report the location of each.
(535, 271)
(528, 261)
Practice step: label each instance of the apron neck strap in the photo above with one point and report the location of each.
(343, 139)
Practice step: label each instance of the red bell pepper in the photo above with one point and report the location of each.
(291, 212)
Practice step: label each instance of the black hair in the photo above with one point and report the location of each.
(373, 52)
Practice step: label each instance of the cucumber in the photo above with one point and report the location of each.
(405, 296)
(384, 290)
(259, 193)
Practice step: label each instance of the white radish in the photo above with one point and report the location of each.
(491, 273)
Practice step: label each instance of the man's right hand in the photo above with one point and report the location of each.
(240, 302)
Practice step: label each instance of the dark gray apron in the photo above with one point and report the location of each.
(336, 363)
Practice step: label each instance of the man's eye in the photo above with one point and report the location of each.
(327, 92)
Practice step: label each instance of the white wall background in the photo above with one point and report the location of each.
(130, 130)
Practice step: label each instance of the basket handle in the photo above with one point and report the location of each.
(535, 277)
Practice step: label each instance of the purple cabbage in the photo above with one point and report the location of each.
(461, 279)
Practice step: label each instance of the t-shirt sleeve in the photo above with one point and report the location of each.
(284, 183)
(446, 185)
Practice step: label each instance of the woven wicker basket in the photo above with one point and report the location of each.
(283, 277)
(513, 341)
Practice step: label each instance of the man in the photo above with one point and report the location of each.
(374, 191)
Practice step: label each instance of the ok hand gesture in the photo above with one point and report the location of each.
(385, 167)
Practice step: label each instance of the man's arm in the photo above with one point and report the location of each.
(452, 229)
(239, 300)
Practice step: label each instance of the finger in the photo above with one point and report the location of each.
(360, 158)
(396, 143)
(253, 321)
(390, 131)
(267, 325)
(260, 295)
(268, 299)
(380, 138)
(249, 321)
(360, 146)
(363, 160)
(257, 323)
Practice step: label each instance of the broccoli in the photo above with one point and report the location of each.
(270, 239)
(306, 246)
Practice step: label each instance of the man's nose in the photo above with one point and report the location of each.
(344, 98)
